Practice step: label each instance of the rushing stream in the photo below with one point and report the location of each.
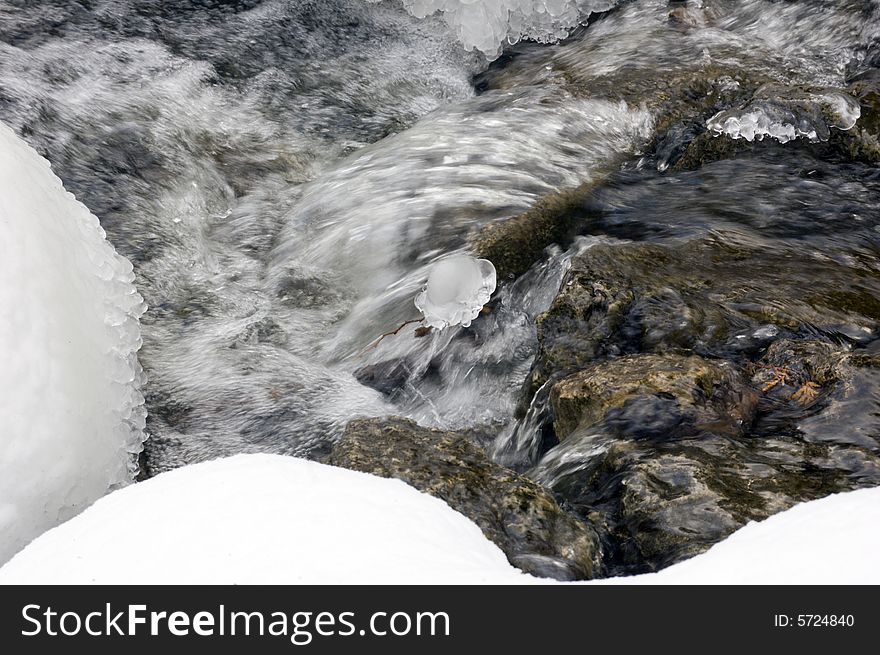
(283, 173)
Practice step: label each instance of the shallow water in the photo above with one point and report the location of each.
(282, 175)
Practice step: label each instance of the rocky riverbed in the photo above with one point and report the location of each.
(681, 199)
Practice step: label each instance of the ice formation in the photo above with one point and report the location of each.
(788, 114)
(71, 411)
(487, 24)
(272, 519)
(458, 287)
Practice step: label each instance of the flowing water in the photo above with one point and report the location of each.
(283, 173)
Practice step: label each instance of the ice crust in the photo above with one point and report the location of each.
(788, 114)
(71, 411)
(487, 24)
(458, 287)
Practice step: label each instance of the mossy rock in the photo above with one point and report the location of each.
(667, 454)
(513, 245)
(517, 514)
(708, 147)
(693, 383)
(863, 141)
(676, 98)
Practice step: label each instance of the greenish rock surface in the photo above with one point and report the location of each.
(863, 141)
(664, 471)
(514, 244)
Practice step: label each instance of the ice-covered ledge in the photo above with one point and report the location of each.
(71, 412)
(487, 24)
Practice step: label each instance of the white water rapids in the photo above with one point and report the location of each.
(282, 174)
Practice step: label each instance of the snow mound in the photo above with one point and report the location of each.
(70, 408)
(458, 287)
(788, 114)
(266, 519)
(487, 24)
(257, 519)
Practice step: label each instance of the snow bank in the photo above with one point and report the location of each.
(487, 24)
(275, 519)
(70, 410)
(264, 519)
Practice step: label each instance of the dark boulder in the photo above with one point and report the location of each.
(666, 469)
(717, 295)
(521, 517)
(700, 384)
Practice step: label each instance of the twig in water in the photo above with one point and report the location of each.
(376, 342)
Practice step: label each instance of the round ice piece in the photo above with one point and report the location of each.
(458, 287)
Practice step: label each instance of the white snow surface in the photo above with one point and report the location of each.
(487, 24)
(278, 519)
(71, 414)
(264, 519)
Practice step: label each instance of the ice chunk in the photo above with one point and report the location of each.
(487, 24)
(788, 114)
(71, 413)
(458, 287)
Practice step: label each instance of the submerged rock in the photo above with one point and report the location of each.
(386, 377)
(522, 518)
(863, 141)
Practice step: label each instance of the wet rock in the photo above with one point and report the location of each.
(716, 295)
(699, 384)
(681, 100)
(386, 377)
(798, 370)
(831, 392)
(663, 476)
(863, 141)
(665, 511)
(707, 148)
(786, 113)
(514, 244)
(522, 518)
(661, 494)
(651, 394)
(826, 113)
